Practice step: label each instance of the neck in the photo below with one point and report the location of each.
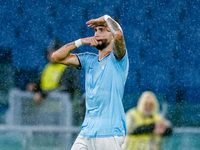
(103, 53)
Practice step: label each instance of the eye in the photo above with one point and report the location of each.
(102, 29)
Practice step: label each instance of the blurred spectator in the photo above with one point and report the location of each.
(145, 126)
(55, 77)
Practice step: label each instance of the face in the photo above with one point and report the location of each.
(103, 36)
(148, 107)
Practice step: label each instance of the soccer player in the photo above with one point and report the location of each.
(104, 126)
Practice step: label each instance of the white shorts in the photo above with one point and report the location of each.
(108, 143)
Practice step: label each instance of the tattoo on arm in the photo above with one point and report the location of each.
(119, 48)
(69, 44)
(119, 44)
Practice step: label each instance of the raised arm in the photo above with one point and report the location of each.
(119, 44)
(64, 56)
(119, 48)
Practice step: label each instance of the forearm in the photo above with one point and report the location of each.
(64, 55)
(116, 30)
(64, 52)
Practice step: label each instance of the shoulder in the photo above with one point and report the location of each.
(86, 58)
(87, 54)
(121, 61)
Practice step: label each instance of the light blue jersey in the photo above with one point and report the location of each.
(105, 81)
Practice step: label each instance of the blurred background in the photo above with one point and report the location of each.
(163, 41)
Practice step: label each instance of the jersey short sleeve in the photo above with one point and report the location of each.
(85, 58)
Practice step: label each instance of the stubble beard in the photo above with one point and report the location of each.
(103, 45)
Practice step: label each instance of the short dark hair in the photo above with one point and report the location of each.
(117, 20)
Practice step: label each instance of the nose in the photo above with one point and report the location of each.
(96, 34)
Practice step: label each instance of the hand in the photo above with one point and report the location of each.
(90, 40)
(96, 22)
(160, 128)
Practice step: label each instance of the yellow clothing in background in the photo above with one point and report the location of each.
(143, 124)
(141, 141)
(51, 76)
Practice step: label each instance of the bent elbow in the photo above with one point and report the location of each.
(54, 58)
